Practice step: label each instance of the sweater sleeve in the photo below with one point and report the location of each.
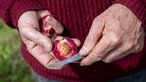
(11, 10)
(138, 7)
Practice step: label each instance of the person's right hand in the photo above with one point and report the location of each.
(39, 45)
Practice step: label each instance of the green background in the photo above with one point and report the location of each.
(12, 66)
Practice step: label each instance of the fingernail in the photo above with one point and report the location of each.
(82, 64)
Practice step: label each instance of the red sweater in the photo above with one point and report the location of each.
(77, 16)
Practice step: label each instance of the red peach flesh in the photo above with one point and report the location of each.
(64, 48)
(45, 27)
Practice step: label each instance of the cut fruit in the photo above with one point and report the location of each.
(64, 48)
(45, 27)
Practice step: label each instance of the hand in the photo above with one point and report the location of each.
(114, 34)
(39, 45)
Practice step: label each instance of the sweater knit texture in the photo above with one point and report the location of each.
(76, 16)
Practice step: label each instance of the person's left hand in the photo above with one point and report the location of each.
(114, 34)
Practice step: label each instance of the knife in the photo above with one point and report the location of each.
(74, 58)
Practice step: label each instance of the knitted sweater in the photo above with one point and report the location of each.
(77, 16)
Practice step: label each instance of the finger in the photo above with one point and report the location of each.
(29, 44)
(29, 17)
(46, 59)
(57, 67)
(52, 22)
(93, 37)
(104, 46)
(124, 50)
(115, 55)
(42, 13)
(30, 33)
(59, 38)
(38, 52)
(42, 56)
(77, 41)
(119, 53)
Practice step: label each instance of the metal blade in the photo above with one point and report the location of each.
(74, 58)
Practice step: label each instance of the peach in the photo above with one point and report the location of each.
(64, 48)
(45, 27)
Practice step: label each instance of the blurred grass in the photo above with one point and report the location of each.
(12, 66)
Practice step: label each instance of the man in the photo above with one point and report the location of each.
(111, 34)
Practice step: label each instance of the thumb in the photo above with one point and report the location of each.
(93, 37)
(31, 34)
(28, 28)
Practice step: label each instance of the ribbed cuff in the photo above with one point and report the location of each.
(21, 6)
(137, 7)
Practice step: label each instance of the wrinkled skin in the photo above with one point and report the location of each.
(39, 45)
(114, 34)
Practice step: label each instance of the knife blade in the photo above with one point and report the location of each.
(74, 58)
